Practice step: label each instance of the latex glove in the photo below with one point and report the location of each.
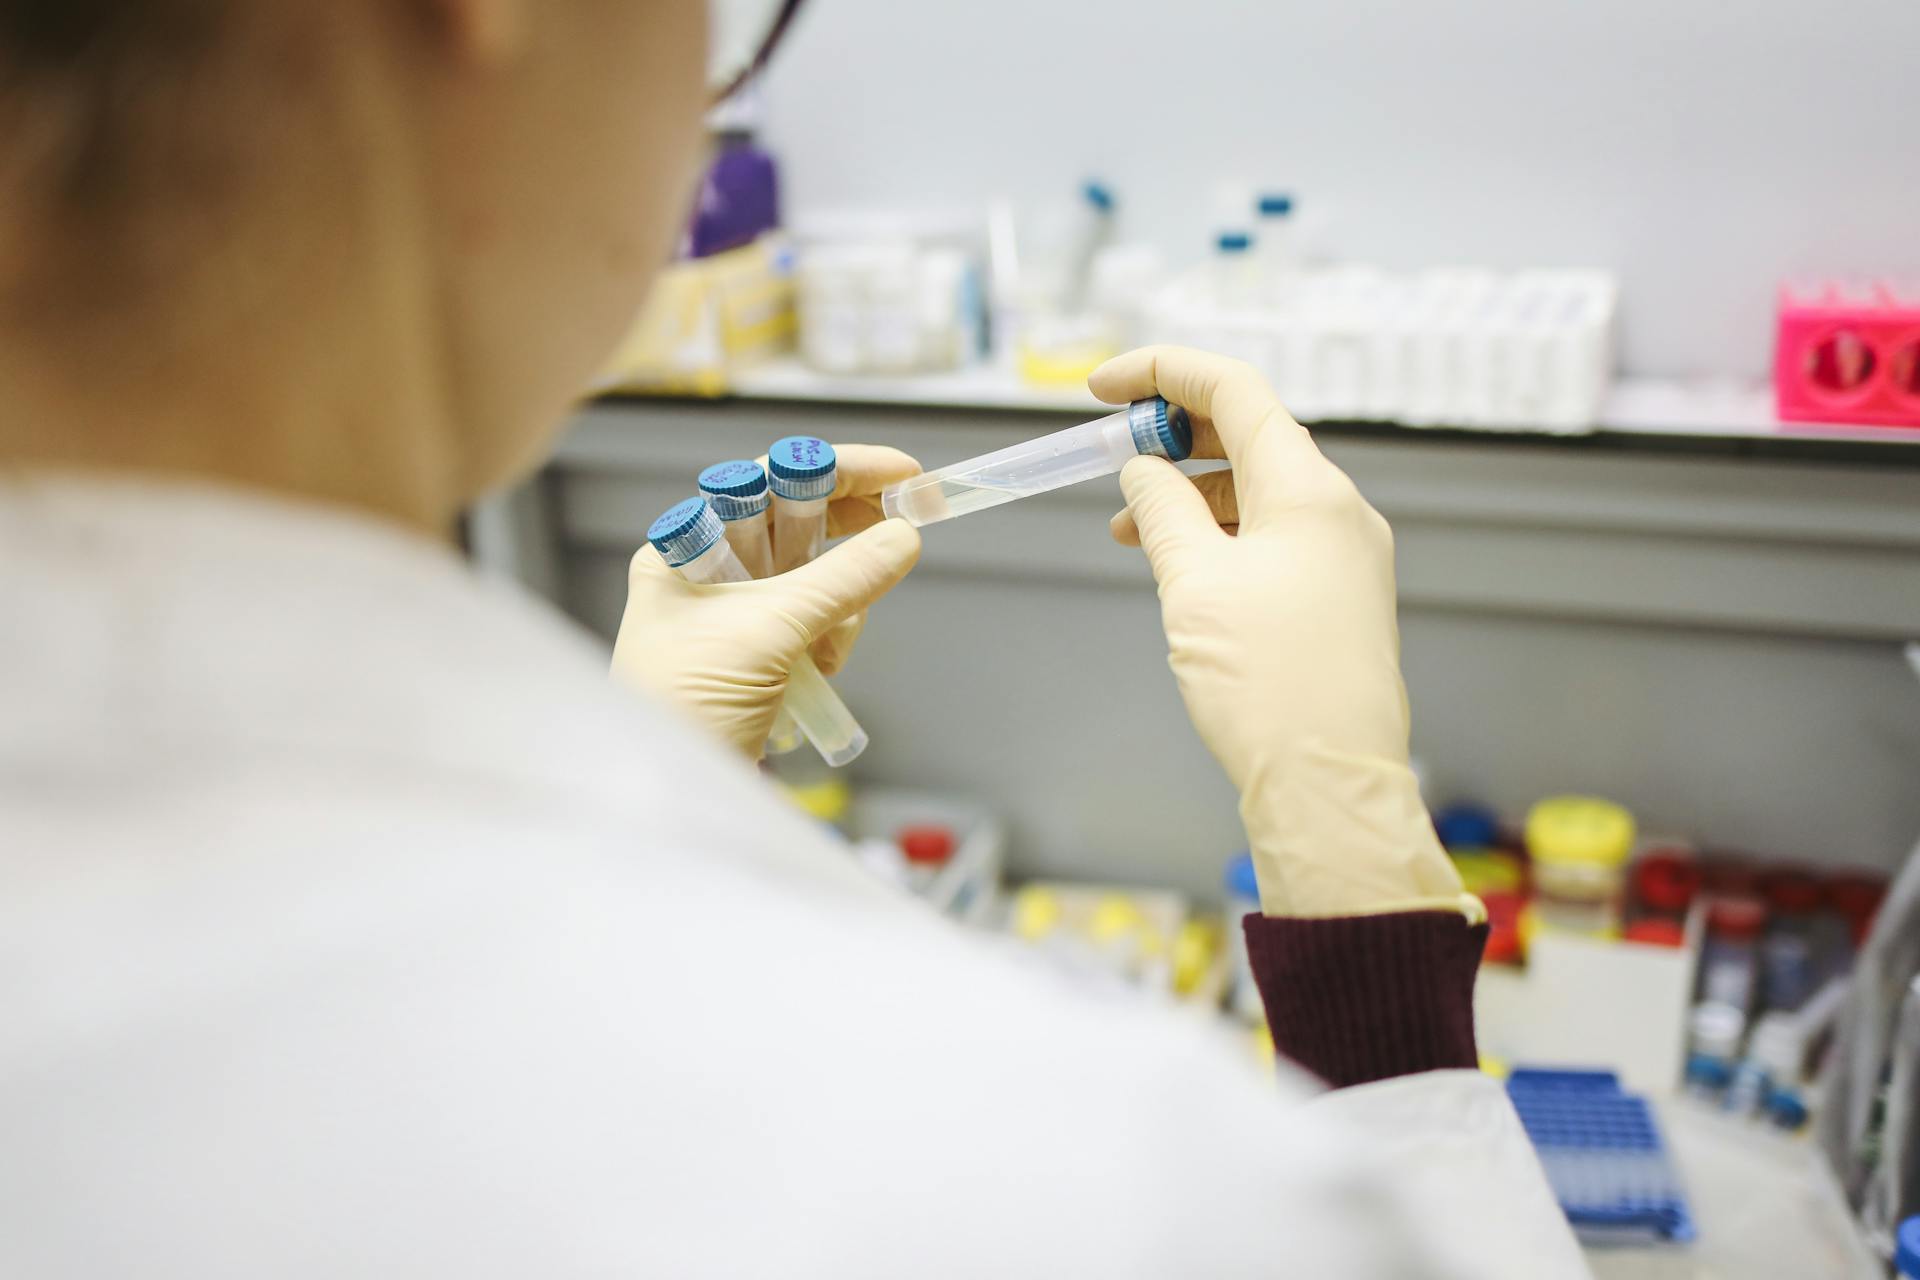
(1284, 641)
(863, 470)
(722, 652)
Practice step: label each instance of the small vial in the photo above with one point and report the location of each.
(692, 540)
(1090, 450)
(1277, 253)
(1236, 273)
(1714, 1032)
(738, 493)
(802, 474)
(1730, 956)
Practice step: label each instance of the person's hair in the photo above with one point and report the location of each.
(76, 85)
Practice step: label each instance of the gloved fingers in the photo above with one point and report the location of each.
(864, 470)
(1276, 465)
(648, 572)
(1173, 518)
(845, 580)
(831, 651)
(1216, 487)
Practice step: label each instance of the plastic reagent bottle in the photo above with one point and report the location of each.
(802, 474)
(1236, 273)
(1276, 250)
(692, 540)
(1090, 450)
(738, 493)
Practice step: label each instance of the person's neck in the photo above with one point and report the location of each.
(343, 412)
(286, 342)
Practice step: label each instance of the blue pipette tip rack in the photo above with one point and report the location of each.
(1603, 1155)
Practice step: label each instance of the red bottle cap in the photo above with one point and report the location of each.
(1657, 931)
(1728, 874)
(1503, 927)
(926, 846)
(1792, 889)
(1738, 918)
(1856, 894)
(1666, 879)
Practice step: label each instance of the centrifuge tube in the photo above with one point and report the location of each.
(692, 540)
(738, 492)
(1092, 449)
(802, 471)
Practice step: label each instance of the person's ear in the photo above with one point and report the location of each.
(478, 32)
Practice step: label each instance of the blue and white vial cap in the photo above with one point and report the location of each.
(1232, 242)
(1274, 205)
(1161, 429)
(737, 490)
(802, 468)
(685, 531)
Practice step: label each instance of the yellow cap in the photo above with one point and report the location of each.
(1194, 950)
(1263, 1045)
(1036, 913)
(1113, 916)
(1487, 870)
(1579, 831)
(827, 801)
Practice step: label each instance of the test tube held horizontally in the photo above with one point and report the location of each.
(691, 539)
(1085, 452)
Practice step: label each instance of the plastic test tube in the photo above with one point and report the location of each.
(692, 540)
(738, 493)
(802, 473)
(1092, 449)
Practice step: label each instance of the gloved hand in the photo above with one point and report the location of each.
(1284, 641)
(722, 651)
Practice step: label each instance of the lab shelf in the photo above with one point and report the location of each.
(1641, 414)
(1706, 627)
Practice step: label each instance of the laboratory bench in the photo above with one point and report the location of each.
(1692, 610)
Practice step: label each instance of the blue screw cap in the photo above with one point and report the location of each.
(737, 490)
(1161, 429)
(1906, 1254)
(1240, 880)
(1099, 195)
(687, 529)
(1275, 206)
(1467, 826)
(802, 468)
(1233, 242)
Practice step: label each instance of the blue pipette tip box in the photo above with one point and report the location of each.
(1604, 1157)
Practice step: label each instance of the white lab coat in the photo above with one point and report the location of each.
(351, 923)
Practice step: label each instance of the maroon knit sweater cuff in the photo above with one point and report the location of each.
(1359, 998)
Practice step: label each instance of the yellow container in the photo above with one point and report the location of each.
(1579, 846)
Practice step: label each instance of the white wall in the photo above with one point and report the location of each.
(1701, 148)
